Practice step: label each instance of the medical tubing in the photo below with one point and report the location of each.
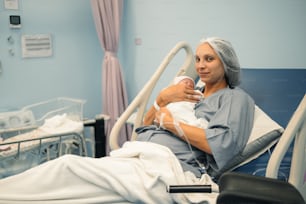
(161, 120)
(156, 106)
(178, 128)
(181, 134)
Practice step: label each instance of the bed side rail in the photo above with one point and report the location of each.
(20, 155)
(296, 129)
(140, 101)
(59, 139)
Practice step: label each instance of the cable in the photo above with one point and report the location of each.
(181, 133)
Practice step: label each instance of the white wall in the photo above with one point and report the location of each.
(74, 70)
(265, 33)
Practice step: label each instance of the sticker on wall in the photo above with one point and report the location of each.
(39, 45)
(11, 4)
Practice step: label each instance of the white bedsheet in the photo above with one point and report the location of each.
(139, 172)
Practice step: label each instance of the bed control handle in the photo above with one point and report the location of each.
(189, 189)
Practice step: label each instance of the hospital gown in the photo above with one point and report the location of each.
(229, 113)
(139, 172)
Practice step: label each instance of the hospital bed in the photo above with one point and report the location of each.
(40, 132)
(267, 136)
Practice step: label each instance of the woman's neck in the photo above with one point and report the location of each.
(213, 88)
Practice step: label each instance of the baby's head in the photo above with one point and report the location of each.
(188, 81)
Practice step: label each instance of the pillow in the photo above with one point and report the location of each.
(264, 135)
(263, 124)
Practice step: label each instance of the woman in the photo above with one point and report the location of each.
(140, 171)
(228, 109)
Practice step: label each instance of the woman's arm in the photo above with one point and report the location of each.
(195, 136)
(174, 93)
(150, 116)
(192, 134)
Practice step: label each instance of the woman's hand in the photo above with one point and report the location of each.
(196, 136)
(192, 134)
(175, 93)
(163, 116)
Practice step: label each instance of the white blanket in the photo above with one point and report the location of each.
(137, 173)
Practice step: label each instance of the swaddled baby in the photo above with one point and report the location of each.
(183, 111)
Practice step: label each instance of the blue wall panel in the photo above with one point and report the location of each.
(278, 92)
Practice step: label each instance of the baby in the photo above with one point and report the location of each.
(183, 111)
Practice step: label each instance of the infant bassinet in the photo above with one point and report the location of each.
(40, 132)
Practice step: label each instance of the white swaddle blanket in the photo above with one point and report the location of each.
(59, 124)
(183, 111)
(139, 172)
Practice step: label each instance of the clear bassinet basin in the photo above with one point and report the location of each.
(34, 115)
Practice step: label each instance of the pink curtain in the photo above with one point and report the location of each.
(107, 17)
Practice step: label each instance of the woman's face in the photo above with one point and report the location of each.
(208, 65)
